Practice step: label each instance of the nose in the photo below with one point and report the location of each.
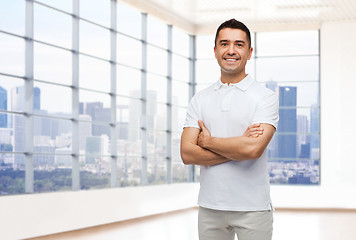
(231, 49)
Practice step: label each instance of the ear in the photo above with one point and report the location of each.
(250, 53)
(215, 51)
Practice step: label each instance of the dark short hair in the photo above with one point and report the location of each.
(233, 23)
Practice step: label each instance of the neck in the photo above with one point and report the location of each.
(232, 78)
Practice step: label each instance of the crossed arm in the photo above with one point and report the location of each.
(200, 148)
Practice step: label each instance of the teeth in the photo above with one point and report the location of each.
(231, 59)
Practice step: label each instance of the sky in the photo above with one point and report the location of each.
(54, 65)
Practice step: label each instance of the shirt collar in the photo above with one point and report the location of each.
(243, 85)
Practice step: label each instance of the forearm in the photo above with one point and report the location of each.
(236, 148)
(194, 154)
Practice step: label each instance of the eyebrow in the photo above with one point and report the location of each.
(236, 41)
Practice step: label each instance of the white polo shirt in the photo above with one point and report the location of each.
(227, 111)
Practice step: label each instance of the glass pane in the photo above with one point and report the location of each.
(156, 88)
(95, 172)
(309, 116)
(300, 172)
(180, 92)
(12, 177)
(19, 135)
(157, 32)
(301, 94)
(49, 175)
(97, 11)
(46, 99)
(102, 130)
(122, 130)
(94, 74)
(12, 95)
(180, 42)
(180, 68)
(156, 151)
(12, 137)
(178, 117)
(156, 113)
(128, 20)
(207, 71)
(151, 109)
(85, 130)
(157, 60)
(12, 16)
(123, 115)
(52, 64)
(50, 134)
(301, 120)
(130, 147)
(129, 171)
(156, 145)
(205, 46)
(132, 107)
(65, 5)
(287, 69)
(200, 87)
(250, 68)
(52, 26)
(305, 146)
(6, 144)
(98, 144)
(288, 43)
(128, 81)
(180, 172)
(96, 105)
(176, 146)
(161, 117)
(156, 170)
(12, 55)
(94, 40)
(130, 56)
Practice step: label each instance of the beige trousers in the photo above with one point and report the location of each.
(223, 225)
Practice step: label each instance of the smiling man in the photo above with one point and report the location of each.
(227, 130)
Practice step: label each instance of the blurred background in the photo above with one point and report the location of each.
(93, 97)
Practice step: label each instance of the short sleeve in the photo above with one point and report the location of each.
(192, 117)
(267, 110)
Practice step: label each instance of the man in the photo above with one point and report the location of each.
(234, 195)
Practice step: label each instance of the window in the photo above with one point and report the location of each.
(108, 103)
(288, 63)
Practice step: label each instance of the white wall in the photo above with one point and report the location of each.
(38, 214)
(25, 216)
(338, 130)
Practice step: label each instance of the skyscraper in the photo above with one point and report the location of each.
(302, 138)
(273, 144)
(17, 104)
(314, 126)
(271, 85)
(36, 98)
(287, 127)
(98, 113)
(3, 106)
(18, 98)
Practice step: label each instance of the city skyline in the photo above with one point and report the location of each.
(52, 137)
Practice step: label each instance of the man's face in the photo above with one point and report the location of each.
(232, 51)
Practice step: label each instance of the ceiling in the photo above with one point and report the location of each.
(203, 16)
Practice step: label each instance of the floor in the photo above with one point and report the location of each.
(182, 225)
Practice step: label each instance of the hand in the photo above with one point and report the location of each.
(204, 135)
(254, 130)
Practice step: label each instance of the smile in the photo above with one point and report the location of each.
(231, 59)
